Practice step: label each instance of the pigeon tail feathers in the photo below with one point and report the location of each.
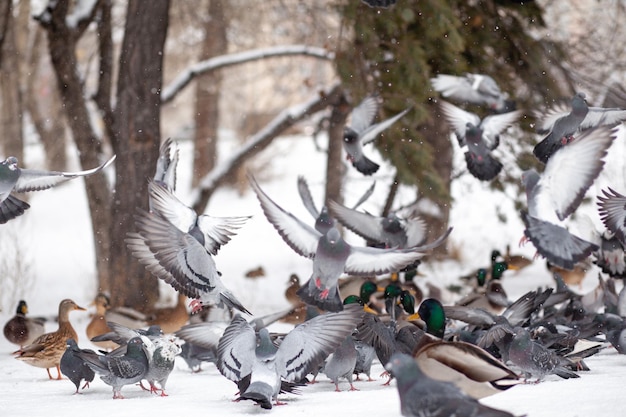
(259, 392)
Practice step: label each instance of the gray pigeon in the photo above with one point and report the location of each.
(165, 173)
(421, 395)
(478, 157)
(261, 370)
(332, 255)
(557, 193)
(612, 209)
(392, 231)
(20, 180)
(341, 363)
(365, 355)
(535, 360)
(561, 124)
(610, 256)
(74, 368)
(118, 371)
(162, 354)
(474, 89)
(361, 131)
(182, 258)
(194, 355)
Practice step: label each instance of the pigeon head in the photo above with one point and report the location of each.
(530, 178)
(403, 367)
(349, 135)
(392, 224)
(333, 236)
(324, 221)
(10, 162)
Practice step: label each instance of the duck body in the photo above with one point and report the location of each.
(21, 330)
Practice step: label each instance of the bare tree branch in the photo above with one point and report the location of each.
(260, 141)
(183, 79)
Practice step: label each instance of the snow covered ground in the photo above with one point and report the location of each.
(57, 235)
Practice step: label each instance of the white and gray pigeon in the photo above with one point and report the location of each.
(556, 194)
(161, 359)
(118, 371)
(332, 255)
(261, 369)
(341, 363)
(391, 230)
(476, 89)
(560, 124)
(361, 130)
(21, 180)
(420, 395)
(165, 172)
(183, 258)
(480, 137)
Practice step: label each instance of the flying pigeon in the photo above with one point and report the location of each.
(561, 124)
(332, 255)
(118, 371)
(421, 395)
(612, 209)
(259, 368)
(392, 231)
(480, 136)
(74, 368)
(20, 180)
(557, 193)
(361, 130)
(474, 89)
(165, 172)
(183, 258)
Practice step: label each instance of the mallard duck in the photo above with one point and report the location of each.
(22, 330)
(98, 324)
(171, 319)
(46, 350)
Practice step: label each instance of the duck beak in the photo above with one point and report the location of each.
(80, 308)
(369, 309)
(380, 289)
(413, 317)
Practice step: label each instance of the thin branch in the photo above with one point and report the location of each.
(183, 79)
(260, 141)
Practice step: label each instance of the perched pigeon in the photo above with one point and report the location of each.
(74, 368)
(194, 355)
(163, 352)
(183, 258)
(118, 371)
(421, 395)
(341, 363)
(561, 124)
(534, 359)
(259, 368)
(612, 209)
(557, 193)
(332, 255)
(392, 231)
(362, 131)
(20, 180)
(474, 89)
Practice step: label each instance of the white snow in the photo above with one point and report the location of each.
(60, 248)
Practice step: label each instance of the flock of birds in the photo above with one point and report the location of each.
(444, 358)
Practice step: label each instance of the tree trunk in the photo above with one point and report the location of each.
(335, 168)
(136, 138)
(208, 94)
(11, 114)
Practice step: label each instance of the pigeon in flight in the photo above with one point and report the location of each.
(261, 370)
(612, 209)
(20, 180)
(561, 124)
(555, 194)
(476, 89)
(361, 130)
(176, 245)
(332, 255)
(480, 136)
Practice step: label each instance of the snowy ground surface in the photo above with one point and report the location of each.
(57, 236)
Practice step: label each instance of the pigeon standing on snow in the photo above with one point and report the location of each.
(332, 255)
(360, 131)
(557, 193)
(176, 245)
(421, 395)
(341, 363)
(74, 368)
(561, 125)
(475, 89)
(163, 352)
(20, 180)
(118, 371)
(480, 136)
(261, 370)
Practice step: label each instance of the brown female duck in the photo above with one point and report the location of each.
(98, 324)
(46, 350)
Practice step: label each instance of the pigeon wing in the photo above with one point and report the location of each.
(307, 199)
(362, 116)
(612, 209)
(236, 350)
(458, 119)
(599, 116)
(35, 180)
(365, 225)
(374, 130)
